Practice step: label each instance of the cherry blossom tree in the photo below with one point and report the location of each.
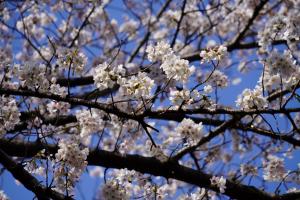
(135, 93)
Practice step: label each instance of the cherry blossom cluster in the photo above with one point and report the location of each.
(157, 152)
(179, 98)
(33, 23)
(189, 130)
(58, 90)
(127, 184)
(192, 22)
(159, 52)
(113, 191)
(252, 99)
(129, 27)
(35, 77)
(280, 71)
(32, 76)
(207, 89)
(177, 69)
(147, 83)
(248, 169)
(33, 168)
(9, 114)
(90, 122)
(283, 26)
(72, 162)
(216, 53)
(121, 187)
(71, 59)
(274, 169)
(56, 108)
(139, 86)
(174, 67)
(218, 79)
(106, 76)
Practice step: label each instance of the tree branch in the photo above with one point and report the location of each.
(29, 182)
(148, 165)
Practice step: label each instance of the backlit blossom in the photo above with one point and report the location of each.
(252, 99)
(72, 58)
(139, 86)
(72, 159)
(177, 68)
(190, 130)
(160, 52)
(108, 76)
(213, 54)
(220, 182)
(274, 169)
(3, 196)
(9, 114)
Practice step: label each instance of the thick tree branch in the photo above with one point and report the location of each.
(72, 101)
(176, 115)
(113, 110)
(148, 165)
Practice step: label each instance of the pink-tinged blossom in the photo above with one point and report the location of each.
(58, 108)
(181, 97)
(218, 79)
(113, 191)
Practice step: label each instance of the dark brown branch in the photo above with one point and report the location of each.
(169, 114)
(76, 81)
(72, 101)
(280, 93)
(84, 23)
(249, 23)
(113, 110)
(178, 117)
(178, 24)
(148, 165)
(228, 111)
